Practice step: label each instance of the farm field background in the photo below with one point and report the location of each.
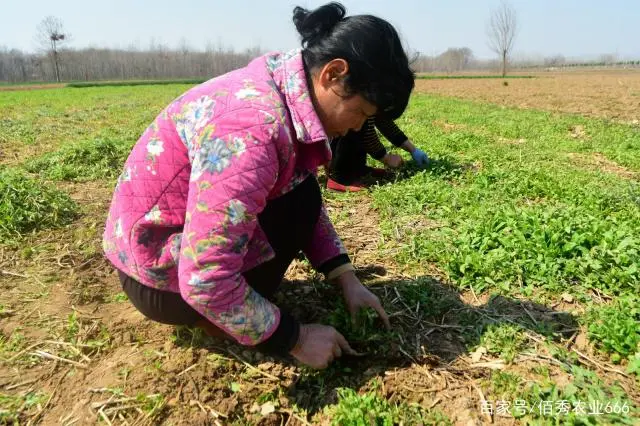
(510, 268)
(612, 93)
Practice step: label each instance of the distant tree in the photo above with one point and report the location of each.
(555, 61)
(608, 59)
(51, 35)
(501, 31)
(13, 65)
(455, 59)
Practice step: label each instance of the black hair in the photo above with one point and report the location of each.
(378, 65)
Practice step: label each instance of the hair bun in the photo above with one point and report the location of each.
(316, 24)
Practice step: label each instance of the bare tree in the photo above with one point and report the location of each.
(502, 30)
(51, 35)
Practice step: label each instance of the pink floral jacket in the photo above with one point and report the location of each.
(184, 212)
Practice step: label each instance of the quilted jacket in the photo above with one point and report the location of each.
(184, 212)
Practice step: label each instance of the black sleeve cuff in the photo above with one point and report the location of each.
(333, 263)
(283, 340)
(379, 155)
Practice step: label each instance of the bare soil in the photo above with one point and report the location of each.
(611, 94)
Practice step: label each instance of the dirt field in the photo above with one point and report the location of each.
(608, 94)
(134, 371)
(73, 350)
(30, 87)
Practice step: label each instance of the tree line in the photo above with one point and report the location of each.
(56, 62)
(158, 63)
(114, 64)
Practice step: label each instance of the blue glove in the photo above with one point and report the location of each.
(420, 157)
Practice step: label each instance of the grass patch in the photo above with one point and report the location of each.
(614, 329)
(12, 344)
(87, 160)
(366, 333)
(503, 208)
(28, 205)
(367, 409)
(544, 245)
(505, 386)
(153, 405)
(119, 297)
(586, 400)
(37, 122)
(191, 337)
(511, 212)
(16, 130)
(505, 340)
(19, 407)
(90, 333)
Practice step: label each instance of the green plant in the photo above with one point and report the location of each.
(11, 344)
(14, 129)
(85, 160)
(569, 358)
(27, 205)
(370, 409)
(269, 396)
(587, 400)
(191, 336)
(615, 328)
(541, 245)
(14, 408)
(634, 364)
(72, 327)
(361, 410)
(124, 373)
(218, 361)
(505, 385)
(506, 340)
(119, 297)
(235, 387)
(153, 405)
(365, 328)
(505, 205)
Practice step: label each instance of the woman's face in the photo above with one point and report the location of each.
(338, 112)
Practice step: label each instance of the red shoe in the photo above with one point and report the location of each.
(335, 186)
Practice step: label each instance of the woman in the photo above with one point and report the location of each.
(348, 170)
(219, 194)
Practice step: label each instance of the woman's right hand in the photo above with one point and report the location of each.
(318, 345)
(392, 160)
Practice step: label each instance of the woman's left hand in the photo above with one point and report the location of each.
(357, 296)
(420, 157)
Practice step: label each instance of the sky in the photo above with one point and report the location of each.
(574, 28)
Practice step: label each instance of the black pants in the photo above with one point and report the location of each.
(349, 158)
(288, 222)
